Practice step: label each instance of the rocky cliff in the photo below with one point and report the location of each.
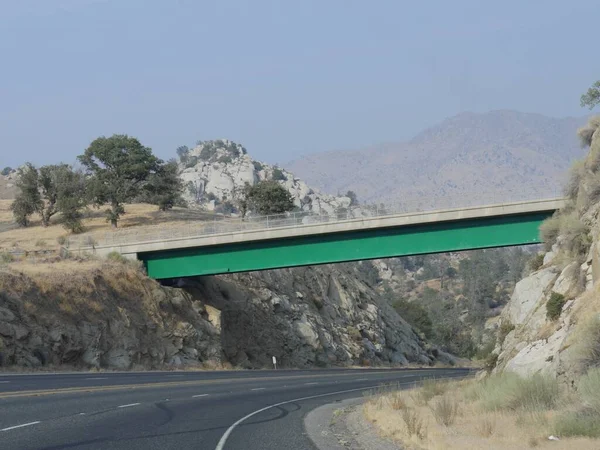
(552, 322)
(110, 315)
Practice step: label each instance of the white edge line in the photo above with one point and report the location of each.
(199, 395)
(309, 384)
(223, 440)
(258, 389)
(4, 381)
(20, 426)
(127, 406)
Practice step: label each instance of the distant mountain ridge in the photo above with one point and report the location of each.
(468, 158)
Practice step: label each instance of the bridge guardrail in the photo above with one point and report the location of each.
(225, 224)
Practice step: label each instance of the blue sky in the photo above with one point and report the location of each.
(282, 77)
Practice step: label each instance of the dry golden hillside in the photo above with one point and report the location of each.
(142, 216)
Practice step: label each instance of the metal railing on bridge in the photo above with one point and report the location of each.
(220, 224)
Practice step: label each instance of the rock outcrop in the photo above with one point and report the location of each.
(215, 172)
(112, 316)
(561, 346)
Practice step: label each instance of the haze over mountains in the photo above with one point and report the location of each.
(466, 159)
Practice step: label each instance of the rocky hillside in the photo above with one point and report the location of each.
(107, 314)
(215, 172)
(466, 158)
(552, 321)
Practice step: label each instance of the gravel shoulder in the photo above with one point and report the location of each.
(342, 426)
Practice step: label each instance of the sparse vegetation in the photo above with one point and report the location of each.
(589, 390)
(116, 257)
(445, 410)
(588, 342)
(257, 165)
(278, 175)
(505, 327)
(6, 171)
(592, 97)
(183, 153)
(554, 305)
(501, 411)
(535, 262)
(6, 258)
(414, 424)
(549, 231)
(512, 392)
(574, 234)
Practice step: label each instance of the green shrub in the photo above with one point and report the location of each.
(225, 159)
(278, 175)
(61, 240)
(415, 314)
(575, 234)
(588, 342)
(207, 152)
(6, 257)
(554, 305)
(575, 174)
(589, 389)
(535, 262)
(6, 171)
(257, 165)
(549, 231)
(191, 161)
(41, 243)
(431, 388)
(354, 333)
(505, 327)
(510, 391)
(116, 257)
(579, 423)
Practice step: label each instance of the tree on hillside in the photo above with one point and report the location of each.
(266, 197)
(353, 198)
(28, 200)
(6, 171)
(51, 179)
(591, 98)
(118, 166)
(278, 175)
(48, 191)
(164, 187)
(183, 153)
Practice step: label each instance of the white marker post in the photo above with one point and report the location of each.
(274, 363)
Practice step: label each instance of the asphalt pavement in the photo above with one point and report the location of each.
(243, 410)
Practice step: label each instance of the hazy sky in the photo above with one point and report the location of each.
(282, 77)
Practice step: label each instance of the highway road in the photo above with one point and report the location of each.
(232, 410)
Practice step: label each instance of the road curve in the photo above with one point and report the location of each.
(225, 410)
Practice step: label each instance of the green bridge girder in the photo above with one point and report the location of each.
(438, 237)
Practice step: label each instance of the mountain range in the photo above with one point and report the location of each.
(466, 159)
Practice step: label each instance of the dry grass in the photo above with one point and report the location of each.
(142, 216)
(459, 418)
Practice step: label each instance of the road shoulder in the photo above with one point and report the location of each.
(342, 426)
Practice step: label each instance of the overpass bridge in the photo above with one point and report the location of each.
(290, 241)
